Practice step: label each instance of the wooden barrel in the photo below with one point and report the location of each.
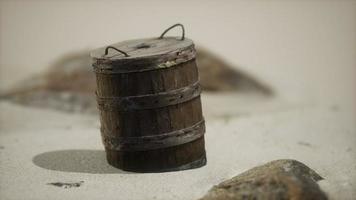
(148, 95)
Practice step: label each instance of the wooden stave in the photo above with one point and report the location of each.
(192, 108)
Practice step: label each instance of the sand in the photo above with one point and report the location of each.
(44, 146)
(305, 50)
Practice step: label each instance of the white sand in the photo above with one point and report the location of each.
(304, 49)
(321, 136)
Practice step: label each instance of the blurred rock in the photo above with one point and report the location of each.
(66, 185)
(280, 179)
(69, 84)
(217, 76)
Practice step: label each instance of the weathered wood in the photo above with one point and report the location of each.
(150, 108)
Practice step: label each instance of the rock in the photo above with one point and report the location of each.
(280, 179)
(218, 76)
(69, 84)
(67, 185)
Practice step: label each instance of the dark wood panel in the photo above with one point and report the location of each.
(116, 123)
(133, 84)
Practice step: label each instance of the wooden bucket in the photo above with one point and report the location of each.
(148, 94)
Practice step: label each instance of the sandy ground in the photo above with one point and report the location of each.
(44, 146)
(304, 49)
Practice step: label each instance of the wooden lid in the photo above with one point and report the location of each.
(144, 54)
(142, 48)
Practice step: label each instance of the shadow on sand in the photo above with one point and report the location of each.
(80, 161)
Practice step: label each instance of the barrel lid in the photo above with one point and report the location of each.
(144, 54)
(141, 48)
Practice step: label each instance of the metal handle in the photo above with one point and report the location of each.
(175, 25)
(111, 47)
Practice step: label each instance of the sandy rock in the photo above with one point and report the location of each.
(69, 84)
(66, 185)
(280, 179)
(73, 73)
(218, 76)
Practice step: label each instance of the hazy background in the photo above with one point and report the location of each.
(304, 50)
(299, 47)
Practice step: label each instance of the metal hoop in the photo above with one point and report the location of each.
(111, 47)
(175, 25)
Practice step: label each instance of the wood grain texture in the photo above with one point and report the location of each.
(151, 122)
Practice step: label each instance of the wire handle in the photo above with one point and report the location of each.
(175, 25)
(111, 47)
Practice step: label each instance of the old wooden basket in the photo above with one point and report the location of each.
(148, 95)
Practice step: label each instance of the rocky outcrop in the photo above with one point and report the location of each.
(69, 84)
(280, 179)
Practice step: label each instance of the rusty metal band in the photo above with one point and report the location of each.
(149, 101)
(140, 65)
(144, 143)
